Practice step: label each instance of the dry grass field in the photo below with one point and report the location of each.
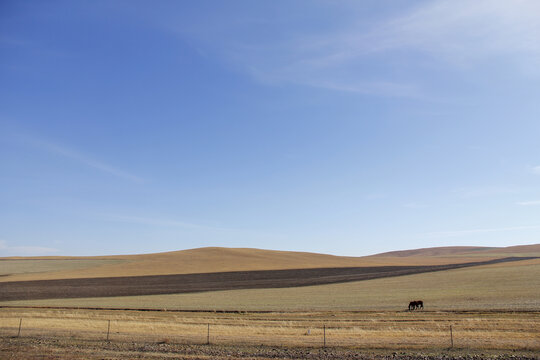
(506, 286)
(492, 309)
(206, 282)
(11, 267)
(388, 330)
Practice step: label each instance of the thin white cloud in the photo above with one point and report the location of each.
(299, 64)
(83, 159)
(456, 233)
(459, 33)
(536, 170)
(387, 88)
(528, 203)
(7, 250)
(466, 32)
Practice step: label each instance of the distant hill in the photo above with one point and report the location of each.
(532, 250)
(217, 259)
(522, 250)
(436, 251)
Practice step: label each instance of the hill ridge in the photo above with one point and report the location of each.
(427, 251)
(219, 259)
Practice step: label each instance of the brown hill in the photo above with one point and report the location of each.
(532, 250)
(437, 251)
(215, 259)
(519, 250)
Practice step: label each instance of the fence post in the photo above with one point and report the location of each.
(324, 335)
(20, 323)
(451, 338)
(208, 335)
(108, 329)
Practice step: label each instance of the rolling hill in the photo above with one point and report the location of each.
(215, 259)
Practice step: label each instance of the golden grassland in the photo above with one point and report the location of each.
(490, 307)
(506, 286)
(422, 329)
(205, 260)
(32, 266)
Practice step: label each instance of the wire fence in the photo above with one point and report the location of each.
(306, 330)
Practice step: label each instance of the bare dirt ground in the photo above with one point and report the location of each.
(46, 348)
(189, 283)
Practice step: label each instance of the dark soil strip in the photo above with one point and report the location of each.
(189, 283)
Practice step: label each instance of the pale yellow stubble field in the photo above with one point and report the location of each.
(383, 329)
(507, 286)
(11, 267)
(488, 307)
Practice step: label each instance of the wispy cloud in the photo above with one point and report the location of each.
(466, 31)
(456, 233)
(457, 33)
(379, 88)
(77, 156)
(528, 203)
(7, 250)
(324, 62)
(536, 170)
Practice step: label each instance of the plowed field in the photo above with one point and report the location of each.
(189, 283)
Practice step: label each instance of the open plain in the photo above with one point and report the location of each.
(484, 302)
(189, 283)
(401, 329)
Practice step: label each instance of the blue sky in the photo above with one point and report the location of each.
(349, 128)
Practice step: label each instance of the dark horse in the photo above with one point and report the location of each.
(414, 305)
